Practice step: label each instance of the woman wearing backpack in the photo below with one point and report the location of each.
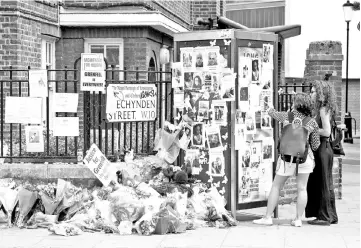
(321, 200)
(302, 109)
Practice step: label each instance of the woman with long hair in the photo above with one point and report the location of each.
(321, 195)
(302, 108)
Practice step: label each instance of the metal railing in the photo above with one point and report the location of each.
(286, 93)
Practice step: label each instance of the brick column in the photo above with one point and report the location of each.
(323, 57)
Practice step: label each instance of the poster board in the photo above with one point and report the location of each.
(24, 110)
(38, 83)
(99, 165)
(237, 39)
(34, 139)
(92, 74)
(131, 102)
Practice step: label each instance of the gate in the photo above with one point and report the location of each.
(115, 138)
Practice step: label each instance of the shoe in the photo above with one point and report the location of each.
(264, 221)
(296, 223)
(319, 222)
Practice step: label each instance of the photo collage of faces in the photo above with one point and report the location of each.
(253, 127)
(203, 84)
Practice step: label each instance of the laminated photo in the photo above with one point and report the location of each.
(188, 80)
(198, 134)
(197, 81)
(179, 99)
(34, 139)
(200, 58)
(227, 79)
(250, 122)
(267, 56)
(255, 71)
(191, 159)
(240, 137)
(203, 110)
(223, 61)
(214, 138)
(256, 152)
(245, 155)
(240, 117)
(266, 99)
(216, 164)
(266, 121)
(177, 75)
(245, 69)
(267, 79)
(268, 150)
(213, 58)
(207, 80)
(244, 185)
(219, 109)
(254, 96)
(187, 59)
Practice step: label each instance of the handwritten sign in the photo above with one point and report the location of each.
(65, 102)
(131, 102)
(38, 81)
(92, 72)
(25, 110)
(99, 165)
(66, 126)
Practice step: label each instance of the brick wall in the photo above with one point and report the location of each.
(205, 10)
(326, 57)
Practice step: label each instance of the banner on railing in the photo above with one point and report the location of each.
(92, 72)
(131, 102)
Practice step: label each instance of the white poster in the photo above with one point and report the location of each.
(65, 102)
(214, 138)
(179, 99)
(131, 102)
(25, 110)
(219, 109)
(38, 83)
(200, 58)
(216, 164)
(267, 56)
(92, 76)
(187, 60)
(240, 136)
(99, 165)
(34, 139)
(228, 88)
(177, 75)
(66, 126)
(213, 58)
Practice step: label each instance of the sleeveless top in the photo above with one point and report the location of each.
(319, 122)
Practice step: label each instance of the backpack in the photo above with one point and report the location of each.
(293, 145)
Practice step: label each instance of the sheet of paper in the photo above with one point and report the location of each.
(65, 102)
(25, 110)
(214, 138)
(38, 82)
(216, 164)
(34, 139)
(66, 126)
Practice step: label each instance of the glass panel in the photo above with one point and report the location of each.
(97, 49)
(112, 55)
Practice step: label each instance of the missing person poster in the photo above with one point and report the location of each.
(216, 164)
(250, 59)
(267, 56)
(131, 102)
(99, 165)
(177, 75)
(38, 82)
(34, 139)
(92, 72)
(25, 110)
(214, 138)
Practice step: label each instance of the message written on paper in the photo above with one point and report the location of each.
(25, 110)
(99, 165)
(92, 72)
(131, 102)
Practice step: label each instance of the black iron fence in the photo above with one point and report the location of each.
(114, 138)
(286, 93)
(15, 82)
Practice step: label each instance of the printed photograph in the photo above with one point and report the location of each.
(245, 69)
(216, 164)
(243, 94)
(250, 122)
(199, 60)
(219, 114)
(34, 137)
(246, 156)
(214, 137)
(177, 77)
(267, 150)
(188, 80)
(256, 151)
(198, 135)
(240, 117)
(266, 121)
(187, 58)
(212, 58)
(255, 70)
(197, 81)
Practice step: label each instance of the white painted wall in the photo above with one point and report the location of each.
(320, 20)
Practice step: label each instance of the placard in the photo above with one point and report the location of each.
(38, 83)
(34, 139)
(66, 126)
(131, 102)
(99, 165)
(65, 102)
(92, 76)
(25, 110)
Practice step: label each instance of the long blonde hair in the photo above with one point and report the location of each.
(325, 96)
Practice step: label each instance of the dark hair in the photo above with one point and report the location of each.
(302, 103)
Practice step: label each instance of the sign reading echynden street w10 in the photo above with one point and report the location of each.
(92, 72)
(131, 102)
